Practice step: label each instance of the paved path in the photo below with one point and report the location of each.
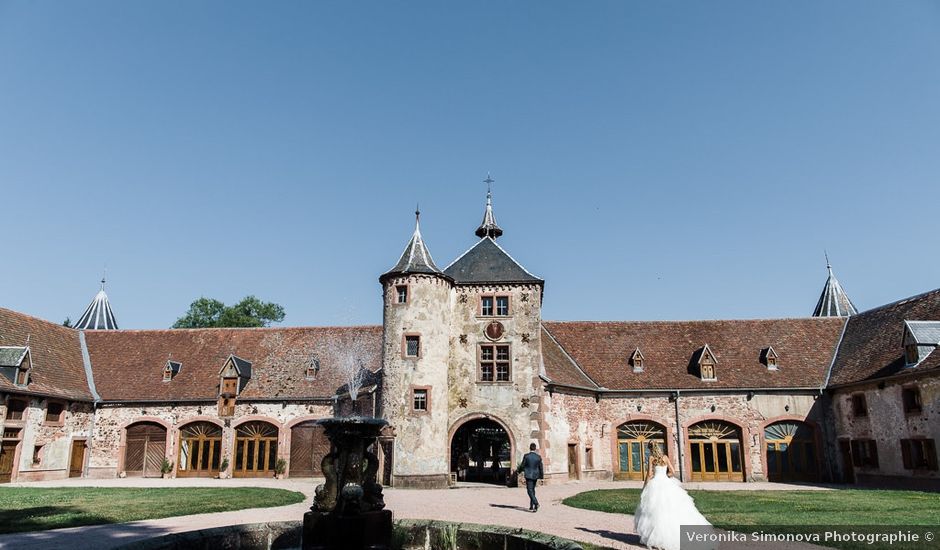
(471, 504)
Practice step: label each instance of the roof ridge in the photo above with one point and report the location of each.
(673, 321)
(225, 329)
(901, 301)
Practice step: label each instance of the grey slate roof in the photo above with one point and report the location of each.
(242, 366)
(416, 258)
(925, 332)
(487, 262)
(12, 356)
(98, 314)
(833, 302)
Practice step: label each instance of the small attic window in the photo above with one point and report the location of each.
(636, 360)
(769, 358)
(171, 369)
(706, 364)
(911, 355)
(313, 368)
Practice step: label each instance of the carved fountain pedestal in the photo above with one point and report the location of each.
(348, 511)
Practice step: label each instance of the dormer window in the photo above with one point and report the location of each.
(769, 358)
(229, 387)
(636, 360)
(706, 364)
(910, 354)
(313, 369)
(15, 362)
(171, 369)
(235, 374)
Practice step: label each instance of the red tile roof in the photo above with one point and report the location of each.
(559, 367)
(602, 349)
(58, 369)
(873, 342)
(128, 364)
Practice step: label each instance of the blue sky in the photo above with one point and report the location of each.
(653, 160)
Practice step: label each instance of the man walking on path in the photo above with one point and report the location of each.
(531, 467)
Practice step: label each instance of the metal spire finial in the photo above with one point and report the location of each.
(488, 181)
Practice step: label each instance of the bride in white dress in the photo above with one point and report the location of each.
(664, 505)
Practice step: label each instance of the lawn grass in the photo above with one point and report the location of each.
(36, 509)
(737, 509)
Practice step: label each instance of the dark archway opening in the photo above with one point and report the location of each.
(480, 452)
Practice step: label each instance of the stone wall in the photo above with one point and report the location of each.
(887, 424)
(108, 444)
(54, 438)
(590, 423)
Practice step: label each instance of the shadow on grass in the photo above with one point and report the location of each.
(47, 517)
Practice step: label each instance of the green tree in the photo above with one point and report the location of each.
(250, 312)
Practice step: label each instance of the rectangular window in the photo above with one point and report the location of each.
(486, 306)
(588, 458)
(54, 413)
(412, 346)
(420, 400)
(494, 363)
(708, 371)
(167, 374)
(864, 453)
(402, 292)
(911, 399)
(859, 407)
(22, 376)
(15, 409)
(494, 306)
(37, 455)
(919, 454)
(502, 305)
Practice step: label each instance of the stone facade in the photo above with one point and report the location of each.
(53, 437)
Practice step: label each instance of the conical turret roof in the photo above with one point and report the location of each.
(416, 257)
(833, 302)
(98, 314)
(488, 228)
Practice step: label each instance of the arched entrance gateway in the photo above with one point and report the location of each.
(144, 449)
(791, 451)
(633, 450)
(715, 451)
(481, 451)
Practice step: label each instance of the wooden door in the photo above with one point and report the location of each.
(255, 450)
(77, 462)
(144, 450)
(572, 461)
(791, 452)
(200, 449)
(7, 453)
(848, 469)
(308, 446)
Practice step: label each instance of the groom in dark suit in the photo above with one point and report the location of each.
(531, 467)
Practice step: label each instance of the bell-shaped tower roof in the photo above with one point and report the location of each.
(98, 314)
(833, 302)
(416, 257)
(488, 227)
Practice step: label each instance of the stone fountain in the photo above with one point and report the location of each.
(348, 511)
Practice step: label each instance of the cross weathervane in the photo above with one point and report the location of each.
(488, 181)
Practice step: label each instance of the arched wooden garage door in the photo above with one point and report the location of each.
(200, 450)
(144, 450)
(308, 446)
(791, 451)
(715, 451)
(633, 447)
(255, 449)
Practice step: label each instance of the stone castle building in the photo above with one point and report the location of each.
(469, 374)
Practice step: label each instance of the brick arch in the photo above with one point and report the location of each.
(746, 466)
(817, 441)
(480, 416)
(122, 438)
(670, 436)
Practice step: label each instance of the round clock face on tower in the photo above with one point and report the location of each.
(494, 330)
